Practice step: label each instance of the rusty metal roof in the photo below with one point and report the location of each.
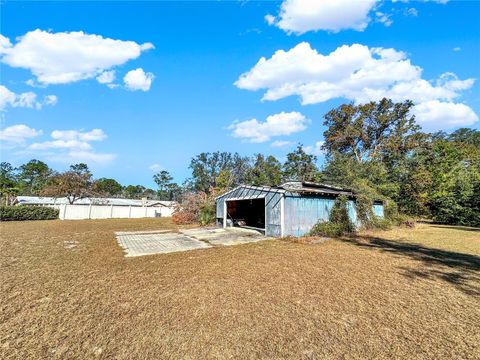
(306, 187)
(299, 187)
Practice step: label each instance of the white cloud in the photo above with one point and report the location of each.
(50, 100)
(65, 57)
(457, 48)
(138, 80)
(26, 99)
(275, 125)
(315, 149)
(61, 144)
(383, 18)
(106, 77)
(93, 135)
(155, 167)
(281, 143)
(18, 134)
(300, 16)
(411, 12)
(5, 44)
(446, 114)
(90, 157)
(270, 19)
(354, 72)
(72, 146)
(7, 97)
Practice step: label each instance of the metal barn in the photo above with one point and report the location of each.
(290, 209)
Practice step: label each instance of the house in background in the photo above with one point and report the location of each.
(289, 209)
(102, 208)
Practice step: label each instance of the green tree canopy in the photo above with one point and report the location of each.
(265, 171)
(300, 166)
(74, 184)
(133, 191)
(167, 190)
(33, 176)
(377, 130)
(107, 187)
(8, 183)
(207, 168)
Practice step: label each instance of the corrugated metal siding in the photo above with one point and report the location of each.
(219, 209)
(273, 214)
(352, 213)
(302, 213)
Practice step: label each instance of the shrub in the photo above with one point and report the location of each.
(339, 222)
(394, 217)
(19, 213)
(365, 196)
(328, 229)
(207, 215)
(197, 208)
(188, 211)
(381, 223)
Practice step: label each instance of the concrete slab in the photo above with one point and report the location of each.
(143, 232)
(136, 244)
(225, 236)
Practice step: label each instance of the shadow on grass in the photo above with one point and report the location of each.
(456, 227)
(460, 270)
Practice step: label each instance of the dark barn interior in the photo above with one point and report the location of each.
(247, 213)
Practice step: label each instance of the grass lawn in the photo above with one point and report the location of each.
(68, 292)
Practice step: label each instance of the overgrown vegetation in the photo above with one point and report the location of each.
(377, 149)
(20, 213)
(339, 222)
(197, 208)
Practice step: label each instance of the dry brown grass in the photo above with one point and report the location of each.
(375, 296)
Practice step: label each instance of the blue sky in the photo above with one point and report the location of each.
(183, 95)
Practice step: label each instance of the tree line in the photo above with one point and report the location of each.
(376, 149)
(217, 170)
(36, 178)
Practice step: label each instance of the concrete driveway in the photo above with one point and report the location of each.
(139, 243)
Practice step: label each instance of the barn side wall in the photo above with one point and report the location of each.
(303, 212)
(273, 214)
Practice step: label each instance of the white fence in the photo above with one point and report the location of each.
(80, 212)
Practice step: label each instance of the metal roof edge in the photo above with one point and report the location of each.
(264, 188)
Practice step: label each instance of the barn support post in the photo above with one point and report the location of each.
(225, 213)
(282, 216)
